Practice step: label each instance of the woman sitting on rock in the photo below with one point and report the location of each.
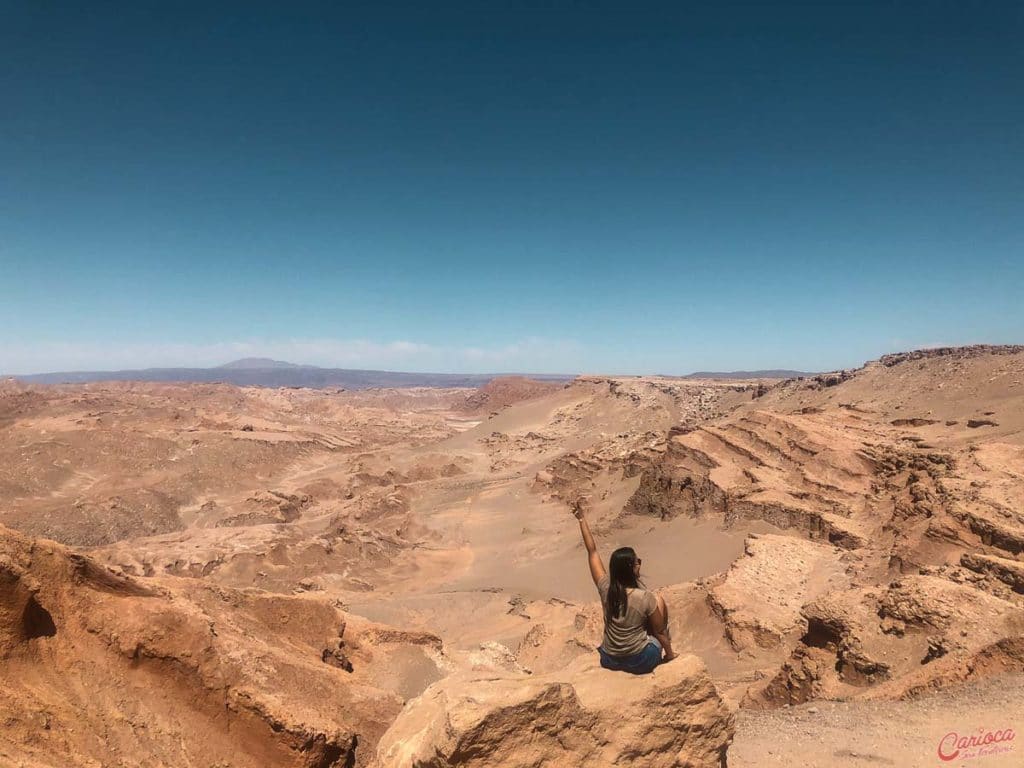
(635, 619)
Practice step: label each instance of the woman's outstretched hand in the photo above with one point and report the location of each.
(579, 507)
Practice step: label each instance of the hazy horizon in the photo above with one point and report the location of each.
(463, 188)
(276, 364)
(263, 363)
(402, 350)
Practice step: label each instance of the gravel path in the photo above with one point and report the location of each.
(897, 733)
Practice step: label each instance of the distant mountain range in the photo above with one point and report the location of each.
(264, 372)
(259, 364)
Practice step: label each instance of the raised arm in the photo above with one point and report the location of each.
(597, 571)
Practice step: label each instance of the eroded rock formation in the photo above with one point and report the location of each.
(100, 667)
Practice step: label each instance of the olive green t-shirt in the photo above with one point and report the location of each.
(626, 634)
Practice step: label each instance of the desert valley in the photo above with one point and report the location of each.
(511, 385)
(211, 575)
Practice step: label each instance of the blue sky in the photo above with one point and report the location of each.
(495, 186)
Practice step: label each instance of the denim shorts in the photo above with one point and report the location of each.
(638, 664)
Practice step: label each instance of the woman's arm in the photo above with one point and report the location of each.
(597, 571)
(657, 625)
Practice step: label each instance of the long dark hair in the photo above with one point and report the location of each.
(621, 575)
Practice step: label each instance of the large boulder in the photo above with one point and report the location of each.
(582, 715)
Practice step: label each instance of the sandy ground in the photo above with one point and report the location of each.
(831, 734)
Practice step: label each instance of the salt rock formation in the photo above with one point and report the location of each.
(582, 715)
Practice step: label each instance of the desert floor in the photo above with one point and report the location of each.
(843, 554)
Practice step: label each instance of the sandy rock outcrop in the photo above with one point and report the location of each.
(1009, 572)
(908, 517)
(268, 507)
(794, 471)
(760, 597)
(104, 669)
(504, 391)
(974, 350)
(919, 633)
(583, 715)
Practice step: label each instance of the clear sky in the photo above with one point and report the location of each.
(532, 186)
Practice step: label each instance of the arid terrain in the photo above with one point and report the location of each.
(222, 577)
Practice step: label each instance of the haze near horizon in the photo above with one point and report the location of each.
(663, 189)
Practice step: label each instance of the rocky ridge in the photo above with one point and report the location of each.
(911, 529)
(101, 667)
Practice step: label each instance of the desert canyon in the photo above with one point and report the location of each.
(214, 576)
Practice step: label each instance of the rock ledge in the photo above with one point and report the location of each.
(582, 715)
